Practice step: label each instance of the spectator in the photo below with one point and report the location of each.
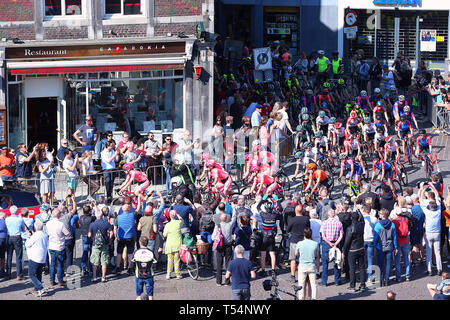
(69, 218)
(153, 150)
(109, 157)
(354, 249)
(363, 75)
(57, 234)
(148, 227)
(90, 135)
(264, 134)
(445, 235)
(144, 260)
(332, 234)
(242, 235)
(29, 224)
(240, 269)
(70, 166)
(417, 234)
(108, 136)
(308, 252)
(85, 221)
(89, 174)
(3, 243)
(385, 242)
(441, 291)
(387, 200)
(60, 153)
(122, 146)
(172, 233)
(185, 147)
(24, 169)
(367, 193)
(226, 251)
(125, 233)
(46, 178)
(100, 233)
(130, 156)
(295, 228)
(256, 116)
(375, 72)
(37, 247)
(432, 211)
(15, 226)
(387, 79)
(168, 148)
(370, 220)
(7, 164)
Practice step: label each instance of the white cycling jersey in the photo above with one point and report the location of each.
(369, 128)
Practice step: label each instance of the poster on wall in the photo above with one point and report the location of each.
(428, 40)
(2, 127)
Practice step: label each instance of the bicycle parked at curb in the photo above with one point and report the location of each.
(272, 285)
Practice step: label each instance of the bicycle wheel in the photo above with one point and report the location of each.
(397, 186)
(235, 187)
(403, 175)
(192, 267)
(347, 192)
(284, 182)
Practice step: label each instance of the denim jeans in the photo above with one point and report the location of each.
(168, 186)
(337, 273)
(368, 248)
(403, 249)
(68, 251)
(151, 245)
(384, 262)
(57, 265)
(14, 244)
(240, 294)
(87, 249)
(35, 273)
(87, 147)
(109, 183)
(140, 283)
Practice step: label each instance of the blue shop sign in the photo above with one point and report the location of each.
(397, 2)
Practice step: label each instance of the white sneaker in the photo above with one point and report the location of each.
(423, 163)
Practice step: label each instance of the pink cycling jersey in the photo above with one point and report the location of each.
(219, 173)
(137, 175)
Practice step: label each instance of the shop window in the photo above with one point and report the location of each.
(123, 7)
(63, 7)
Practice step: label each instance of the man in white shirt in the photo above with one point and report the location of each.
(57, 234)
(185, 147)
(70, 166)
(37, 246)
(109, 157)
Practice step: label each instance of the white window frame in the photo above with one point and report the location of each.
(121, 15)
(63, 12)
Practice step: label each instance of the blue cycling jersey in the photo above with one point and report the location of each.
(404, 126)
(379, 165)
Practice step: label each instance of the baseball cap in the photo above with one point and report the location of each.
(44, 207)
(258, 106)
(377, 90)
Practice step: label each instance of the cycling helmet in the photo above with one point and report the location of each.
(127, 167)
(304, 110)
(305, 117)
(311, 166)
(341, 81)
(254, 168)
(296, 102)
(209, 163)
(298, 155)
(407, 109)
(338, 125)
(307, 144)
(388, 139)
(402, 118)
(379, 103)
(321, 113)
(401, 98)
(247, 157)
(318, 134)
(324, 104)
(309, 91)
(380, 129)
(326, 84)
(342, 156)
(256, 148)
(289, 68)
(357, 106)
(363, 93)
(332, 120)
(366, 120)
(320, 52)
(353, 114)
(377, 90)
(205, 156)
(267, 206)
(299, 128)
(271, 87)
(422, 132)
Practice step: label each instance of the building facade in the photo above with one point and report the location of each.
(384, 26)
(128, 63)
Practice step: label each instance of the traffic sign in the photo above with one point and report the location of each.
(262, 58)
(351, 29)
(350, 18)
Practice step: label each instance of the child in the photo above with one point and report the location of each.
(144, 260)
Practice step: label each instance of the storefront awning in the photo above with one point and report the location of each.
(91, 66)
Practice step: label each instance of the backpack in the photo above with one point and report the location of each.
(206, 221)
(288, 212)
(44, 220)
(256, 239)
(99, 240)
(403, 229)
(144, 260)
(324, 208)
(185, 255)
(218, 242)
(387, 239)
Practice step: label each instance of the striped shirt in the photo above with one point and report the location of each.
(332, 229)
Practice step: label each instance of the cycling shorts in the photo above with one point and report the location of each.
(405, 133)
(353, 129)
(268, 242)
(142, 186)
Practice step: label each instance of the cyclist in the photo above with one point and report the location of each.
(317, 177)
(369, 130)
(363, 101)
(380, 123)
(351, 168)
(325, 96)
(309, 101)
(380, 110)
(221, 180)
(182, 170)
(322, 122)
(391, 150)
(308, 124)
(340, 134)
(409, 116)
(331, 134)
(398, 107)
(320, 141)
(349, 107)
(269, 218)
(423, 144)
(341, 92)
(376, 97)
(302, 136)
(352, 123)
(404, 130)
(134, 175)
(380, 138)
(301, 161)
(386, 171)
(206, 158)
(262, 179)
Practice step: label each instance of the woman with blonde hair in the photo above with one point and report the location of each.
(172, 233)
(89, 174)
(46, 177)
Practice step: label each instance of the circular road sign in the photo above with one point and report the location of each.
(350, 18)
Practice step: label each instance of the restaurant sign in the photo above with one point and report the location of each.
(403, 3)
(94, 50)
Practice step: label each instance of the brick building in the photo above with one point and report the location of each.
(129, 63)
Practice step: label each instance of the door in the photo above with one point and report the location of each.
(42, 121)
